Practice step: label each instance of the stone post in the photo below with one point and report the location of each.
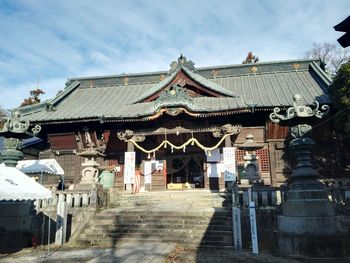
(61, 223)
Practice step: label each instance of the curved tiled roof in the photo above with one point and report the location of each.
(268, 85)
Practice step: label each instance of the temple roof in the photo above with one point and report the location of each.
(199, 92)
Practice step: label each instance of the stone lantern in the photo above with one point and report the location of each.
(14, 132)
(308, 225)
(251, 164)
(89, 173)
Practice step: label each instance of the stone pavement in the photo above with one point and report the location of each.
(125, 253)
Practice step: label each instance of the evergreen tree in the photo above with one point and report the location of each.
(340, 94)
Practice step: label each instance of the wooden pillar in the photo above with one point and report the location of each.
(228, 141)
(130, 147)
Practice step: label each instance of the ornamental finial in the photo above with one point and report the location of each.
(182, 62)
(299, 110)
(13, 125)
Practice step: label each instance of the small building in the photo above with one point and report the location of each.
(178, 121)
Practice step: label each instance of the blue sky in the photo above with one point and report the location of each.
(43, 43)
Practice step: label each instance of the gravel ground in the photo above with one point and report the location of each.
(183, 255)
(143, 253)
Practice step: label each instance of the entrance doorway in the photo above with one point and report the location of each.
(186, 168)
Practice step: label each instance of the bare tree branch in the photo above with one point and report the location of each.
(330, 54)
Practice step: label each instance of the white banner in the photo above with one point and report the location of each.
(148, 172)
(229, 156)
(129, 167)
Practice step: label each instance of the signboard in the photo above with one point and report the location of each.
(229, 172)
(253, 230)
(148, 172)
(229, 156)
(129, 167)
(237, 232)
(214, 155)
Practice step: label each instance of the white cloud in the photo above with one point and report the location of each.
(50, 41)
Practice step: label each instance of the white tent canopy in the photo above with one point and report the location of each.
(15, 185)
(49, 166)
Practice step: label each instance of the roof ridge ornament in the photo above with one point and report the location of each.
(173, 97)
(174, 92)
(181, 62)
(14, 125)
(299, 110)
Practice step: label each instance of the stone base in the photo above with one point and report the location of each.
(306, 208)
(318, 246)
(322, 225)
(313, 236)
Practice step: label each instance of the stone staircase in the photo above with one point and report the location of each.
(195, 218)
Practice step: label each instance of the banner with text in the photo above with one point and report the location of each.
(148, 172)
(129, 167)
(229, 156)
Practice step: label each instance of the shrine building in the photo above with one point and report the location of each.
(188, 127)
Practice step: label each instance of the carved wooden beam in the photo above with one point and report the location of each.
(226, 129)
(130, 135)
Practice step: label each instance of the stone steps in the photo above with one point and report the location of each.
(152, 225)
(165, 231)
(190, 218)
(161, 213)
(147, 203)
(199, 198)
(187, 238)
(193, 243)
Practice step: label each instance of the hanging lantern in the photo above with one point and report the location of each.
(177, 132)
(184, 149)
(172, 149)
(165, 145)
(192, 143)
(209, 153)
(148, 156)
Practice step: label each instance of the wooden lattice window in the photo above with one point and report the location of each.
(264, 162)
(239, 156)
(263, 154)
